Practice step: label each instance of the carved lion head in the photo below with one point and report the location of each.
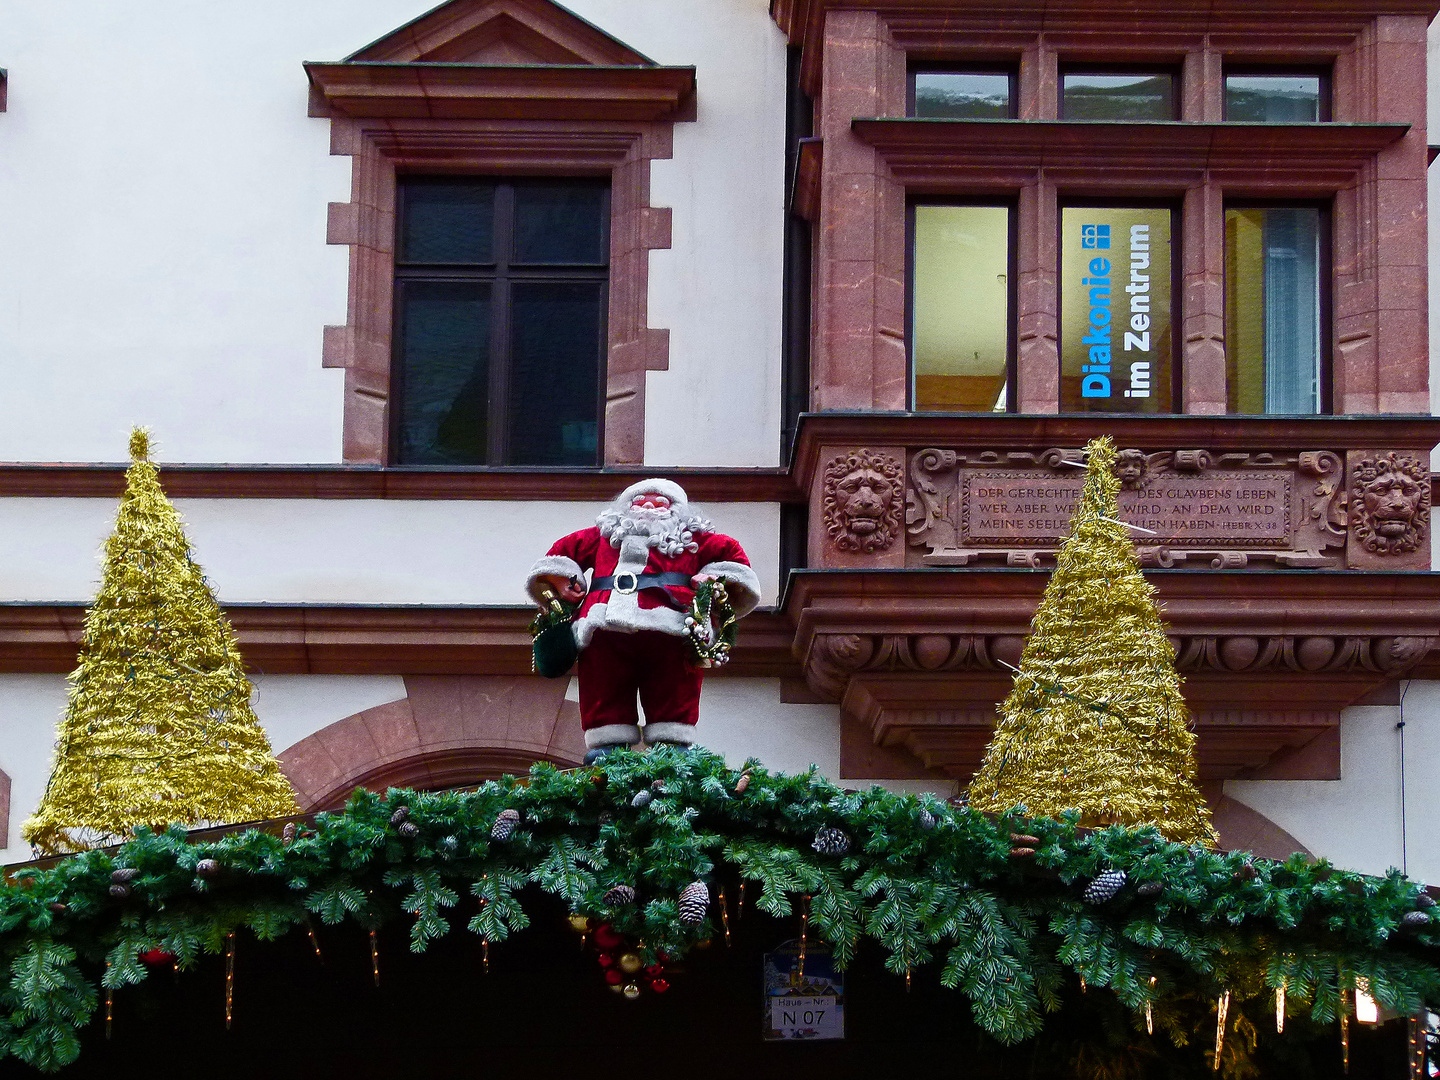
(1390, 503)
(863, 501)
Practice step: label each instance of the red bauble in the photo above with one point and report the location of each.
(614, 978)
(654, 971)
(605, 959)
(157, 956)
(606, 937)
(659, 986)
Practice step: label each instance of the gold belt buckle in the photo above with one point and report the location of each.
(626, 589)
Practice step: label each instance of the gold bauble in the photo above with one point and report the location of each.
(580, 923)
(616, 988)
(631, 991)
(630, 963)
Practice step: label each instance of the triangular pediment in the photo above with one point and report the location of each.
(502, 32)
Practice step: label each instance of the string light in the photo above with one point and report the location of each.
(1366, 1011)
(1149, 1009)
(740, 908)
(1222, 1012)
(725, 916)
(1280, 1008)
(804, 932)
(375, 957)
(315, 944)
(229, 978)
(109, 1006)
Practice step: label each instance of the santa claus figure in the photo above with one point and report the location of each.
(647, 554)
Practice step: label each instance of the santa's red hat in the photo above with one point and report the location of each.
(654, 486)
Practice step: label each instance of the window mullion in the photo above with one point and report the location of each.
(500, 339)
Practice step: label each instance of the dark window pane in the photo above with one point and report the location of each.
(448, 223)
(1272, 309)
(1290, 99)
(557, 223)
(1119, 97)
(554, 374)
(445, 362)
(961, 95)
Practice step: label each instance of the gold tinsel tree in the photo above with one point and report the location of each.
(158, 728)
(1095, 721)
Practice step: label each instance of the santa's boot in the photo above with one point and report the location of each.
(595, 753)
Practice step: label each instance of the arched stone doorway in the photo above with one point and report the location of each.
(448, 731)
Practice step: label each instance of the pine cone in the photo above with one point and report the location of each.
(1149, 888)
(120, 892)
(619, 896)
(830, 841)
(1104, 887)
(1424, 900)
(287, 834)
(1024, 840)
(57, 908)
(1021, 852)
(1412, 920)
(505, 824)
(742, 783)
(694, 902)
(1246, 872)
(207, 868)
(399, 815)
(124, 874)
(927, 820)
(408, 829)
(642, 799)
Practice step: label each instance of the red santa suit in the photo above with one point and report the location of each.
(630, 628)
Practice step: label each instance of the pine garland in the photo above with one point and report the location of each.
(1006, 932)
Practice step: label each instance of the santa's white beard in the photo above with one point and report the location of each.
(668, 531)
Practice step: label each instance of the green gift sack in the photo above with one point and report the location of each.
(553, 651)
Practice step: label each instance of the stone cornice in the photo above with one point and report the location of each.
(365, 640)
(920, 658)
(105, 480)
(449, 91)
(1001, 155)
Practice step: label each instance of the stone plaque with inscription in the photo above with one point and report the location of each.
(1191, 507)
(1012, 507)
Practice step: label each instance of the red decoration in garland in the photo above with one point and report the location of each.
(605, 959)
(157, 956)
(614, 977)
(606, 937)
(654, 971)
(659, 986)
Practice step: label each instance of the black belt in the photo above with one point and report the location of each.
(629, 583)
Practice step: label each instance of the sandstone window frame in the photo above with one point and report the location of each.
(520, 88)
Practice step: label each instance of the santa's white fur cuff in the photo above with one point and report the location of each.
(551, 565)
(741, 584)
(612, 735)
(670, 733)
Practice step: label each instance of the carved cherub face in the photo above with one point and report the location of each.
(865, 499)
(1130, 467)
(1392, 501)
